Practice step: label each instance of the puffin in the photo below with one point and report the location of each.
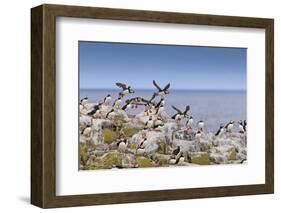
(198, 135)
(84, 100)
(126, 89)
(179, 115)
(200, 125)
(161, 92)
(117, 102)
(241, 126)
(149, 123)
(107, 99)
(220, 130)
(87, 131)
(122, 144)
(229, 126)
(111, 111)
(95, 110)
(189, 122)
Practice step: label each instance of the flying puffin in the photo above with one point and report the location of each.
(220, 130)
(126, 89)
(179, 115)
(161, 92)
(200, 125)
(107, 99)
(189, 122)
(229, 126)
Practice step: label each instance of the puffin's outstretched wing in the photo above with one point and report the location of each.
(156, 85)
(121, 85)
(174, 116)
(175, 108)
(96, 107)
(186, 109)
(167, 86)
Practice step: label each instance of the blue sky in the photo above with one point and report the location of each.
(185, 67)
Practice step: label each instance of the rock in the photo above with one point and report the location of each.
(129, 161)
(144, 162)
(201, 158)
(108, 161)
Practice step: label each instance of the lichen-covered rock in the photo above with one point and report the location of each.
(201, 158)
(129, 161)
(144, 162)
(109, 135)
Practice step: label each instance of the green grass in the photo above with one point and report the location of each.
(109, 135)
(144, 162)
(201, 160)
(130, 131)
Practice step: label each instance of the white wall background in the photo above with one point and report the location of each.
(15, 104)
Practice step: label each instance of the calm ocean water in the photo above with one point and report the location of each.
(213, 107)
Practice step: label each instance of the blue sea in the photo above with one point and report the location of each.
(213, 107)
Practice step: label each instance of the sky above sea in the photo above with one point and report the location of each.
(102, 64)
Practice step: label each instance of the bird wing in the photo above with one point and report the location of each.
(187, 109)
(153, 96)
(174, 116)
(124, 107)
(121, 85)
(218, 132)
(175, 108)
(144, 100)
(167, 86)
(156, 85)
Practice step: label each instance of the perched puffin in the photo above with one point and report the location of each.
(84, 101)
(117, 102)
(229, 126)
(158, 127)
(200, 125)
(149, 123)
(107, 99)
(245, 125)
(95, 110)
(127, 106)
(220, 130)
(160, 109)
(189, 122)
(241, 126)
(142, 145)
(198, 135)
(87, 131)
(111, 111)
(126, 89)
(161, 92)
(122, 144)
(176, 151)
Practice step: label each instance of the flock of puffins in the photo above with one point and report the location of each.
(154, 112)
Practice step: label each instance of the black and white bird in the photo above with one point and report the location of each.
(122, 144)
(220, 130)
(198, 135)
(95, 111)
(189, 122)
(242, 126)
(229, 126)
(110, 112)
(87, 131)
(160, 109)
(200, 125)
(180, 115)
(149, 124)
(161, 92)
(84, 101)
(161, 102)
(245, 125)
(176, 151)
(127, 106)
(117, 103)
(126, 89)
(107, 99)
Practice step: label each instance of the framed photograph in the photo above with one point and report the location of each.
(136, 106)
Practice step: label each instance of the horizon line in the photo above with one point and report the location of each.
(191, 89)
